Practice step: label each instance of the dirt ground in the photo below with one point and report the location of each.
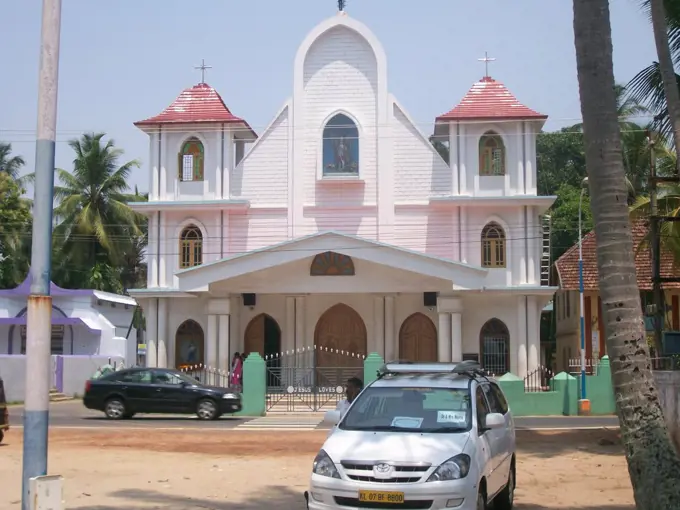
(253, 470)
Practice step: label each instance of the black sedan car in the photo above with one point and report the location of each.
(123, 394)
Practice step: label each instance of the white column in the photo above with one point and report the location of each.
(456, 337)
(211, 342)
(378, 342)
(391, 340)
(163, 179)
(289, 331)
(462, 168)
(152, 251)
(520, 340)
(301, 339)
(162, 361)
(236, 340)
(444, 337)
(151, 314)
(453, 156)
(520, 159)
(153, 163)
(534, 334)
(224, 343)
(163, 251)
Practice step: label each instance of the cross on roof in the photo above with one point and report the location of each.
(486, 61)
(203, 67)
(341, 5)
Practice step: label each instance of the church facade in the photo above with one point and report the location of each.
(340, 227)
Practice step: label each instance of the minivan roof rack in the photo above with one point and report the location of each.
(469, 368)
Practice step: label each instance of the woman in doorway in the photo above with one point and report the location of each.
(236, 370)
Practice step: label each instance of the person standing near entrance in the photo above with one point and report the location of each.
(354, 387)
(236, 376)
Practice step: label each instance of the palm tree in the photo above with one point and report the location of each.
(668, 78)
(95, 224)
(10, 165)
(653, 464)
(647, 87)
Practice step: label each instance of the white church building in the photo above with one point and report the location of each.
(340, 226)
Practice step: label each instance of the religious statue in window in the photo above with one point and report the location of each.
(340, 146)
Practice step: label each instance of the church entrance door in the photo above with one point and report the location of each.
(418, 339)
(314, 378)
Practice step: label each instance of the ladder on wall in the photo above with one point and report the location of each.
(545, 250)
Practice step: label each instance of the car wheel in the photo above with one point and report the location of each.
(506, 498)
(114, 409)
(2, 435)
(481, 501)
(207, 410)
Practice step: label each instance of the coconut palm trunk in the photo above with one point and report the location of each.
(663, 50)
(653, 464)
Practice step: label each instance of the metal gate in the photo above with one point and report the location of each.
(310, 379)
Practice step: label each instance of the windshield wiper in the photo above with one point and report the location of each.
(444, 430)
(383, 428)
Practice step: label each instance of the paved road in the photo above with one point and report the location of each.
(74, 414)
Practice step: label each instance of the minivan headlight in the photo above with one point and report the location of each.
(453, 469)
(324, 466)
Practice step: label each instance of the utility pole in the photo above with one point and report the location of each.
(39, 321)
(657, 292)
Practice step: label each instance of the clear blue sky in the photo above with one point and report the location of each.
(125, 60)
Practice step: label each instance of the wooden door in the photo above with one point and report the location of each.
(340, 328)
(254, 337)
(418, 339)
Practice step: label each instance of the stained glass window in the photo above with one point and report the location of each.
(191, 160)
(332, 264)
(340, 146)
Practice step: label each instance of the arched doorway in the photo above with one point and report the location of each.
(418, 339)
(340, 328)
(263, 336)
(494, 347)
(189, 344)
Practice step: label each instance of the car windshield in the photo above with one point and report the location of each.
(408, 409)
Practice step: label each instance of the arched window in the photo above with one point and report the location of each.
(493, 245)
(189, 344)
(332, 264)
(491, 154)
(190, 247)
(340, 146)
(191, 160)
(494, 340)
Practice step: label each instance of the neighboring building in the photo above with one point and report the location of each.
(341, 227)
(84, 322)
(567, 311)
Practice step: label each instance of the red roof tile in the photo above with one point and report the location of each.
(198, 104)
(489, 99)
(567, 264)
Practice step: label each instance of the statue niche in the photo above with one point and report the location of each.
(340, 146)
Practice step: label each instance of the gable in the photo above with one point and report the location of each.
(419, 171)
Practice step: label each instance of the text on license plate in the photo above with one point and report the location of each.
(381, 497)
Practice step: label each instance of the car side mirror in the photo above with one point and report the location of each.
(332, 417)
(494, 421)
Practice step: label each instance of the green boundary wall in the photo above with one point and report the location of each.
(561, 400)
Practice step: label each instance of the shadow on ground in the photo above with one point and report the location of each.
(279, 497)
(190, 418)
(549, 444)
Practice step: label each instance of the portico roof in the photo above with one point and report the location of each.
(462, 276)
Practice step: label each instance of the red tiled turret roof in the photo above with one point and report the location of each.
(489, 99)
(198, 104)
(567, 264)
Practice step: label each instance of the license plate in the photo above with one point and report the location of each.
(381, 497)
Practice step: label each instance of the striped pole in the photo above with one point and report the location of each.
(39, 316)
